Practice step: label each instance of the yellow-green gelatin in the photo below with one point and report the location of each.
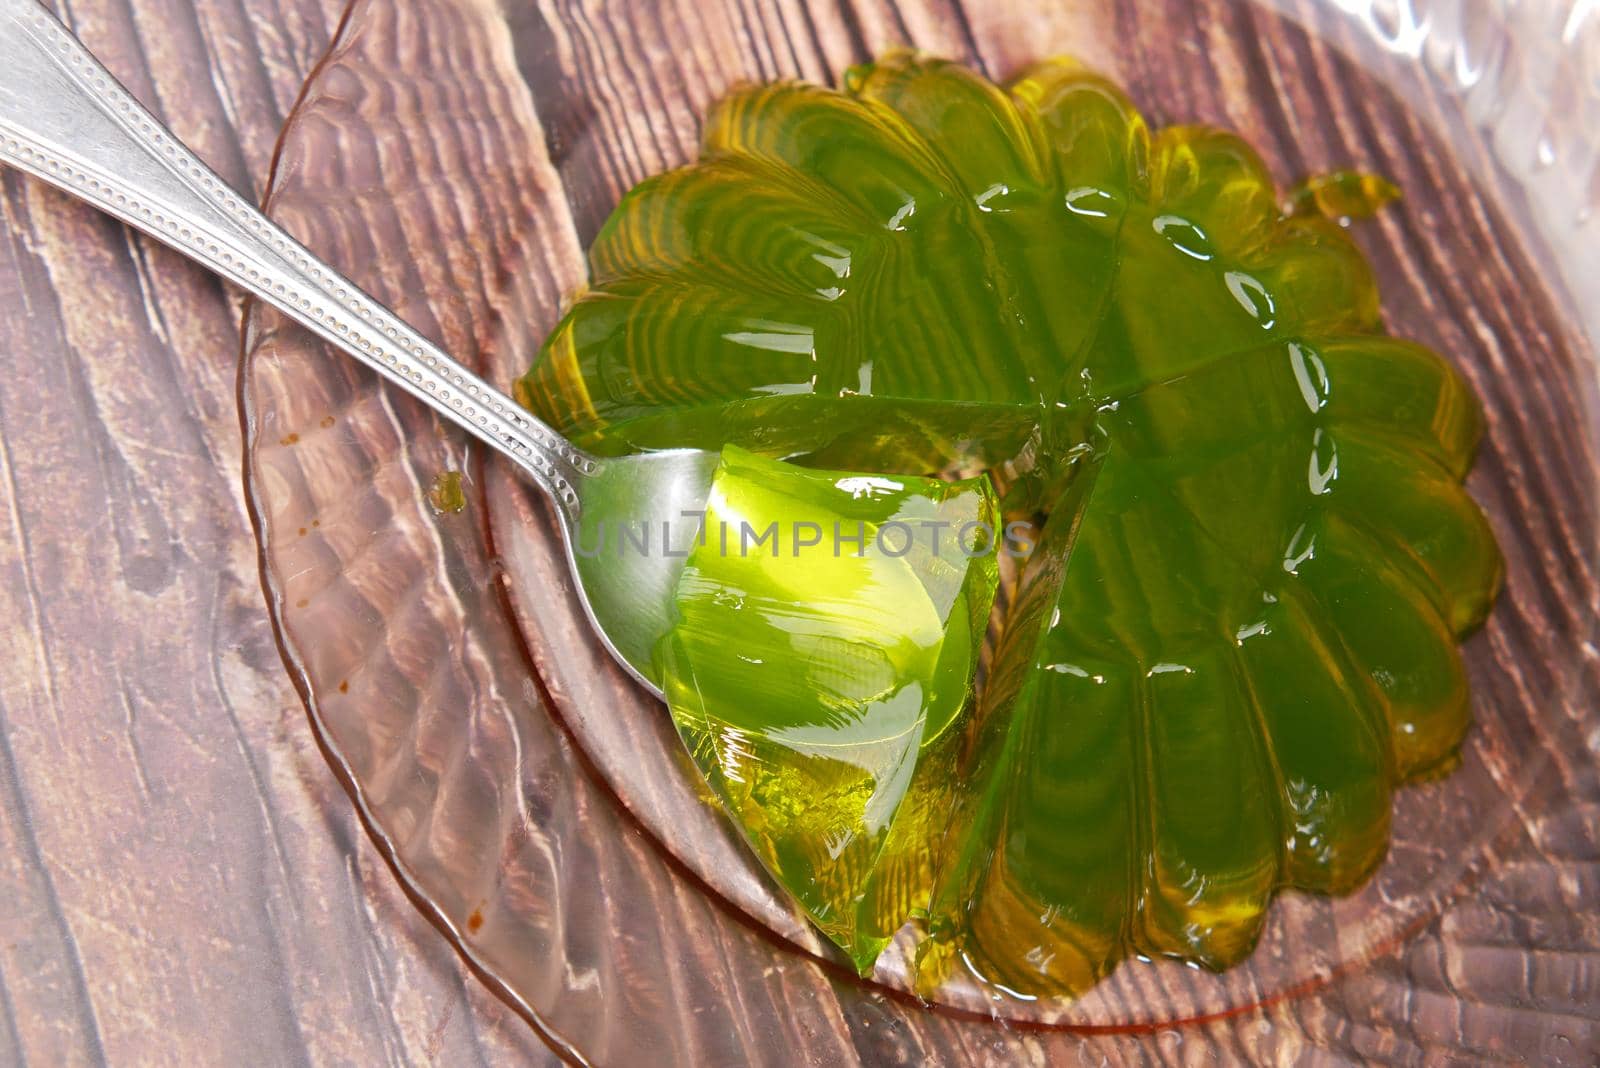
(1238, 635)
(819, 672)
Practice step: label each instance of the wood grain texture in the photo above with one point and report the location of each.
(611, 944)
(181, 880)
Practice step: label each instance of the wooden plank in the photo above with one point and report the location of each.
(181, 880)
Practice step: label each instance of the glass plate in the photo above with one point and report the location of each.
(456, 157)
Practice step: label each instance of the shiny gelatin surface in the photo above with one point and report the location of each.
(821, 670)
(1238, 633)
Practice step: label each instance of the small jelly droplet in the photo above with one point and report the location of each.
(1342, 195)
(447, 496)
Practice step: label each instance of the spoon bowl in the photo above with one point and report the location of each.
(626, 543)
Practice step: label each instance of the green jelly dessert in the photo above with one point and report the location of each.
(1237, 634)
(821, 668)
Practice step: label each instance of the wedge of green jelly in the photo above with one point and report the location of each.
(820, 672)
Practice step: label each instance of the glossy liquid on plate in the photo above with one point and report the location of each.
(1238, 633)
(820, 673)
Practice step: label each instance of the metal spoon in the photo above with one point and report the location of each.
(65, 119)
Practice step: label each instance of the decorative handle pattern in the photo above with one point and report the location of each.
(65, 119)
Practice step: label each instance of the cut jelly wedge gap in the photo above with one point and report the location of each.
(1037, 887)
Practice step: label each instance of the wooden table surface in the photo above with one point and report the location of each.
(181, 878)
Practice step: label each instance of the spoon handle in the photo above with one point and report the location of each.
(65, 119)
